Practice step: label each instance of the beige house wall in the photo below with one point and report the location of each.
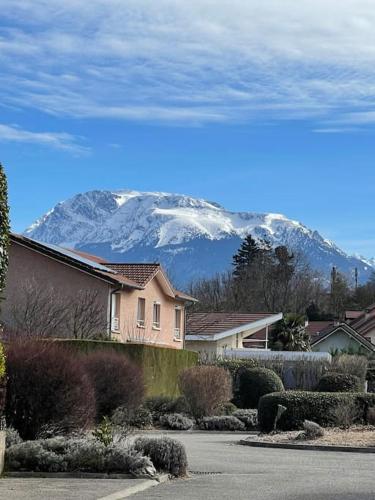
(129, 331)
(30, 268)
(26, 266)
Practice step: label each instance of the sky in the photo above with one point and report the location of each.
(260, 106)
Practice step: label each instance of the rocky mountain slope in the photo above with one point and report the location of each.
(191, 237)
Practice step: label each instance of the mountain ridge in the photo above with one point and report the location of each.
(192, 237)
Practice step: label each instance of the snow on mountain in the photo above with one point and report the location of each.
(192, 237)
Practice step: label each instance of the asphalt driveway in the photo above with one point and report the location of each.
(222, 469)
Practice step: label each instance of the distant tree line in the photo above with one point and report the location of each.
(266, 279)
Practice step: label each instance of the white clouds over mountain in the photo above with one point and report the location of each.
(191, 62)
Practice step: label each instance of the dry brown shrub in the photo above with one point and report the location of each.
(205, 388)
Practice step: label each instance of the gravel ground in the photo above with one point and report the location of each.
(355, 436)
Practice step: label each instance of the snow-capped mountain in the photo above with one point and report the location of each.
(191, 237)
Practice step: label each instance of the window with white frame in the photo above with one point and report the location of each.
(177, 322)
(115, 313)
(156, 315)
(141, 313)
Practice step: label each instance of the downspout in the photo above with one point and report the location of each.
(186, 305)
(110, 311)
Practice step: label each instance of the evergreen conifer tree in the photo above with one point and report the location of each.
(4, 228)
(245, 255)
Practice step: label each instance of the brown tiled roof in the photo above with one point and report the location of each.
(140, 273)
(314, 328)
(350, 315)
(218, 322)
(365, 322)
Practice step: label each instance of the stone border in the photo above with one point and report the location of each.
(160, 478)
(313, 447)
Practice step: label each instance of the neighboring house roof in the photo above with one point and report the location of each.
(217, 325)
(128, 275)
(350, 315)
(314, 328)
(365, 322)
(349, 331)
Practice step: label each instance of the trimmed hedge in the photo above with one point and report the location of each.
(253, 383)
(161, 365)
(315, 406)
(339, 382)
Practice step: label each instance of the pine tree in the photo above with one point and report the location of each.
(245, 256)
(4, 228)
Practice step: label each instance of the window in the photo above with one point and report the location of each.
(177, 322)
(156, 316)
(141, 312)
(115, 313)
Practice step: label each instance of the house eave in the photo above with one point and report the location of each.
(233, 331)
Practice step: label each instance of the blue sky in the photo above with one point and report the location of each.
(260, 106)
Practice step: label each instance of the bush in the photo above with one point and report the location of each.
(248, 417)
(205, 388)
(339, 382)
(226, 409)
(233, 364)
(166, 454)
(160, 405)
(351, 364)
(255, 383)
(116, 380)
(32, 456)
(140, 418)
(12, 437)
(316, 406)
(46, 386)
(72, 455)
(176, 421)
(223, 423)
(311, 430)
(160, 365)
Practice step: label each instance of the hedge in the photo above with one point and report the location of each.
(161, 365)
(339, 382)
(303, 405)
(253, 383)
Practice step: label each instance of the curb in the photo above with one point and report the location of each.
(137, 488)
(313, 447)
(161, 478)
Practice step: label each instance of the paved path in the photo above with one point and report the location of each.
(64, 489)
(222, 469)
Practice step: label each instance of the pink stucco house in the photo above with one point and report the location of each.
(136, 302)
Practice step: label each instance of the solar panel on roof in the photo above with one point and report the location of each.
(79, 258)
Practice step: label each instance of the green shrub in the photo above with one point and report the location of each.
(248, 417)
(315, 406)
(254, 383)
(205, 388)
(176, 421)
(225, 409)
(233, 364)
(12, 437)
(72, 455)
(221, 423)
(160, 405)
(166, 454)
(32, 456)
(140, 418)
(339, 382)
(160, 365)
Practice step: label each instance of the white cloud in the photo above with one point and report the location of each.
(57, 140)
(190, 62)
